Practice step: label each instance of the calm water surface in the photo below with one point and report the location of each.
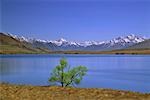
(125, 72)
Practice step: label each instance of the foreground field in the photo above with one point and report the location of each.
(20, 92)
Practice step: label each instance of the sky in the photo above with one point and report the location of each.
(77, 20)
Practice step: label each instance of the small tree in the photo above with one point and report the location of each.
(66, 76)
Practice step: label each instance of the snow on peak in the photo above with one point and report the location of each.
(44, 41)
(127, 39)
(63, 42)
(89, 43)
(20, 38)
(59, 42)
(135, 39)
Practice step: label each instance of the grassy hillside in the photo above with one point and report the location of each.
(10, 45)
(11, 49)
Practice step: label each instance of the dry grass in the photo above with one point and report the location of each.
(128, 51)
(20, 92)
(7, 49)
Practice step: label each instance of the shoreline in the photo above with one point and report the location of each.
(29, 92)
(116, 52)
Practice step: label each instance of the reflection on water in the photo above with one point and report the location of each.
(127, 72)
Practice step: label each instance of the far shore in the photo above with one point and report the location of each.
(117, 52)
(26, 92)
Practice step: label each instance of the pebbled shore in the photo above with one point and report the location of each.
(23, 92)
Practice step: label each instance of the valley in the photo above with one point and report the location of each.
(131, 44)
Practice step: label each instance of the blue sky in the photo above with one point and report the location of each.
(76, 20)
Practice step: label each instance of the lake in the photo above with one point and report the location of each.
(124, 72)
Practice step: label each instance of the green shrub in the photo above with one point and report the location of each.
(66, 76)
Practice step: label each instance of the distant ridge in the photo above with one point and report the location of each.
(10, 43)
(142, 45)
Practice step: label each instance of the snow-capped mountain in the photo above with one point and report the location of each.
(64, 45)
(130, 39)
(63, 42)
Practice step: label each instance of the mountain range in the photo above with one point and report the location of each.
(37, 45)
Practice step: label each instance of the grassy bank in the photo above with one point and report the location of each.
(118, 52)
(6, 49)
(17, 50)
(130, 51)
(21, 92)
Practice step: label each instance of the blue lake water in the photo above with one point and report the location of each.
(124, 72)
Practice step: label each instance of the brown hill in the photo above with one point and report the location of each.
(8, 44)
